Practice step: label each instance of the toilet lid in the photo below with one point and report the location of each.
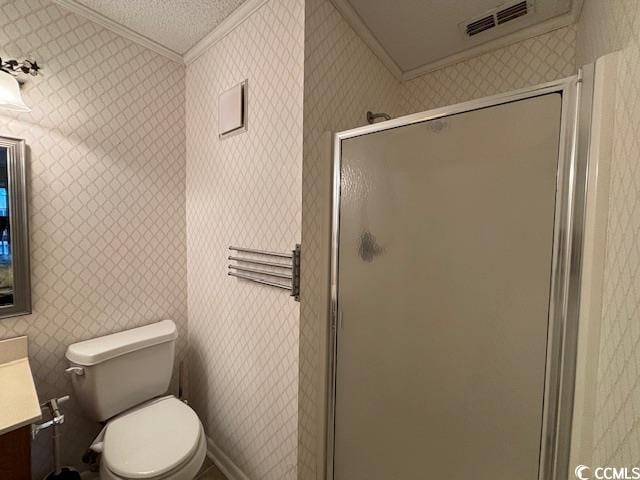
(152, 439)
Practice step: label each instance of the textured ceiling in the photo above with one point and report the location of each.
(418, 32)
(175, 24)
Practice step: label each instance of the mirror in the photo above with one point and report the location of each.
(15, 291)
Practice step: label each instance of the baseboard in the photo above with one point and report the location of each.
(224, 463)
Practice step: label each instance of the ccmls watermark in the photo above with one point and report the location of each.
(584, 472)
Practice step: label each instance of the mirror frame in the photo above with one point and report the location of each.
(19, 226)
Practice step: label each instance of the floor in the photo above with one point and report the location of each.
(209, 471)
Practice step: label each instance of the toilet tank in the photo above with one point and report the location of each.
(124, 369)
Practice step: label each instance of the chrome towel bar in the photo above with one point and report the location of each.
(260, 262)
(261, 272)
(262, 252)
(243, 269)
(257, 280)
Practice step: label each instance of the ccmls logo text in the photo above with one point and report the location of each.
(584, 472)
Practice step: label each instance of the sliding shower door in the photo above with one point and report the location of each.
(443, 266)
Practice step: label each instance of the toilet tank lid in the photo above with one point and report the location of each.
(96, 350)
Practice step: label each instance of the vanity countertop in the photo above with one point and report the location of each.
(19, 405)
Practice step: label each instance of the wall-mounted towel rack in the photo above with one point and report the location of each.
(283, 268)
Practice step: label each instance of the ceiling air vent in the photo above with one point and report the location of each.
(480, 25)
(512, 12)
(496, 17)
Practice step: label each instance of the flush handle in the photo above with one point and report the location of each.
(74, 371)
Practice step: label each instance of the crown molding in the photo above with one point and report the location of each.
(495, 44)
(223, 29)
(351, 17)
(90, 14)
(357, 24)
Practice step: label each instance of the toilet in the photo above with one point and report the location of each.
(122, 380)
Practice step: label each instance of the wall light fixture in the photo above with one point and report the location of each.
(10, 98)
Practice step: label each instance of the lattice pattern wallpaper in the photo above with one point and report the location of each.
(606, 26)
(246, 190)
(530, 62)
(344, 79)
(107, 166)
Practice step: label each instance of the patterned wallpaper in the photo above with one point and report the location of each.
(246, 190)
(607, 26)
(108, 219)
(530, 62)
(344, 79)
(106, 193)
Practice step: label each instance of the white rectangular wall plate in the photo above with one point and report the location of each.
(232, 110)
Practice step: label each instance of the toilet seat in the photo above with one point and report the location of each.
(187, 471)
(161, 439)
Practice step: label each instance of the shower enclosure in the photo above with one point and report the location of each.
(455, 273)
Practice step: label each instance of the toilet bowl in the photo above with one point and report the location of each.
(122, 380)
(159, 440)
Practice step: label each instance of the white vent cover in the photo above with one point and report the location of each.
(496, 17)
(232, 110)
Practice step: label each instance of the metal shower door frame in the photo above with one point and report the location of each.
(570, 205)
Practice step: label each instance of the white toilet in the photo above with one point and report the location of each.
(122, 380)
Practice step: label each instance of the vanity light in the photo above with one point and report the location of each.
(10, 98)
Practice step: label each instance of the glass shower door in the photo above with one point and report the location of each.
(445, 260)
